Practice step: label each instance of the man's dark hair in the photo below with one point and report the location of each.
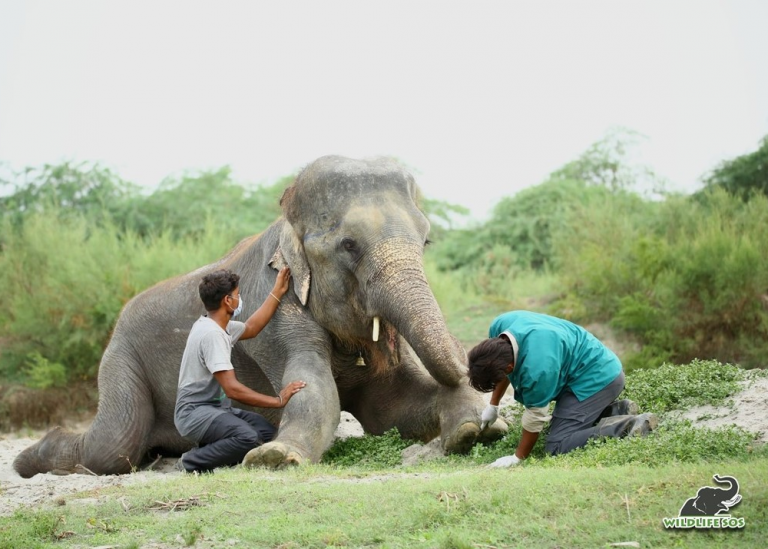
(214, 286)
(488, 361)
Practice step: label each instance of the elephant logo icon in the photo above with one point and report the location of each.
(711, 501)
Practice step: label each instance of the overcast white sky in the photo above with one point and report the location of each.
(479, 98)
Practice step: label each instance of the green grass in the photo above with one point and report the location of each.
(440, 506)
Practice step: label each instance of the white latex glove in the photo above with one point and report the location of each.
(506, 461)
(489, 415)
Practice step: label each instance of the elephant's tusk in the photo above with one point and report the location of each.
(375, 328)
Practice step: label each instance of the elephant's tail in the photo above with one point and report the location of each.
(58, 451)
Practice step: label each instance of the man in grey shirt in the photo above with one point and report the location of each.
(207, 378)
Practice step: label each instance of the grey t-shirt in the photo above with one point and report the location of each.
(200, 398)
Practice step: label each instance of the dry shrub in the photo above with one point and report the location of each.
(22, 407)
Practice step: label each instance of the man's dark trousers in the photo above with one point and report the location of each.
(228, 439)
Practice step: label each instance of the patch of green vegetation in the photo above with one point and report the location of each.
(678, 387)
(368, 450)
(31, 530)
(673, 442)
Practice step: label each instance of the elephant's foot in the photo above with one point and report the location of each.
(274, 455)
(493, 432)
(468, 434)
(57, 452)
(462, 439)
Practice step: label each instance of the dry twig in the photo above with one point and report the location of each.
(152, 465)
(625, 499)
(182, 504)
(80, 468)
(179, 504)
(447, 497)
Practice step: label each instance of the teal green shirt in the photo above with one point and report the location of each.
(553, 355)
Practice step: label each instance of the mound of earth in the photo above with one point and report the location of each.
(747, 409)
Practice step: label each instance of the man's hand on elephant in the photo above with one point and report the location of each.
(281, 283)
(489, 416)
(506, 461)
(289, 390)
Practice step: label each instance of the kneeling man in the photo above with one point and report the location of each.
(207, 378)
(549, 359)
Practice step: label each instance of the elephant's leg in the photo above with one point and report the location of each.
(309, 419)
(421, 409)
(116, 440)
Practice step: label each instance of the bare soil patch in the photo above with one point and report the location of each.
(748, 410)
(49, 489)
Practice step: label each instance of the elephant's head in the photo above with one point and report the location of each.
(354, 242)
(710, 501)
(717, 499)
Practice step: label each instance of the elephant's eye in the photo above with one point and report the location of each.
(349, 245)
(427, 242)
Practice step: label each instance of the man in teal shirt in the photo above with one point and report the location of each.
(549, 359)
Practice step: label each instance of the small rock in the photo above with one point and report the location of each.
(417, 453)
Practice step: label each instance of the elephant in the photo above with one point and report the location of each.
(711, 501)
(361, 327)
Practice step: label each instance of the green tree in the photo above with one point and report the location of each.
(519, 234)
(183, 204)
(607, 163)
(71, 189)
(442, 216)
(744, 175)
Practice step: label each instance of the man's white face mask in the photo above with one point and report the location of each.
(239, 308)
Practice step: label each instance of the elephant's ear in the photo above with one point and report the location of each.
(290, 252)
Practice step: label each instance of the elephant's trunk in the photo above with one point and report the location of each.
(730, 492)
(400, 293)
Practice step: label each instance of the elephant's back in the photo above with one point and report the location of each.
(153, 326)
(173, 305)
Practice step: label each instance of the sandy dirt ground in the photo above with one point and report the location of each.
(748, 409)
(49, 489)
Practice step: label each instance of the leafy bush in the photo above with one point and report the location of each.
(518, 235)
(687, 277)
(180, 205)
(68, 189)
(43, 374)
(521, 237)
(65, 282)
(607, 163)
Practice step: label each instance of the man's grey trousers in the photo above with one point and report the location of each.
(574, 422)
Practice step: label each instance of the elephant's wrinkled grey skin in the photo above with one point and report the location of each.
(353, 236)
(711, 501)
